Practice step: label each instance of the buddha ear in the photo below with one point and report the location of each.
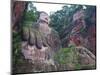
(37, 16)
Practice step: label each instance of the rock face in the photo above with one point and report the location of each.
(87, 40)
(18, 8)
(40, 43)
(91, 39)
(80, 34)
(83, 37)
(85, 56)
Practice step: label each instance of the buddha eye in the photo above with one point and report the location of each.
(46, 18)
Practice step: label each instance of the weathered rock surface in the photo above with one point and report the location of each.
(39, 45)
(18, 7)
(82, 32)
(82, 36)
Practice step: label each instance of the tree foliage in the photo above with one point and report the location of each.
(63, 18)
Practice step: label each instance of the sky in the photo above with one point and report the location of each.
(48, 7)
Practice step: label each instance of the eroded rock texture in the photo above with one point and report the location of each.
(40, 43)
(83, 37)
(17, 8)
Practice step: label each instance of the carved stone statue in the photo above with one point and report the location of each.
(40, 42)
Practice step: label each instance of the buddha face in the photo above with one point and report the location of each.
(44, 17)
